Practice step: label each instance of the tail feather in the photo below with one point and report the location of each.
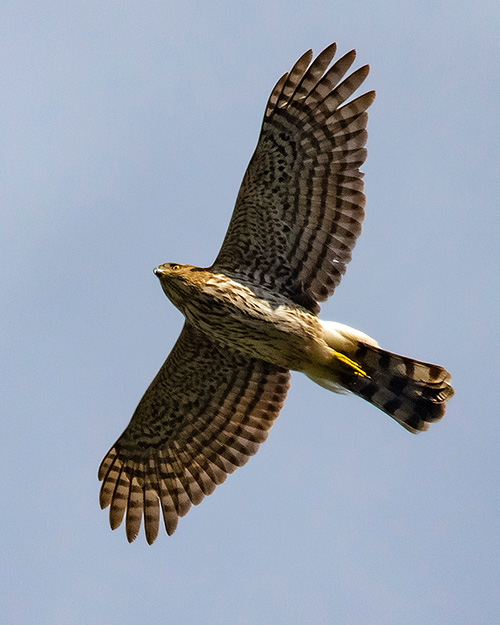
(412, 392)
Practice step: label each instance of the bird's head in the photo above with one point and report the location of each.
(177, 281)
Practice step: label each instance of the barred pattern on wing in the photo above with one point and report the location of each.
(301, 203)
(204, 415)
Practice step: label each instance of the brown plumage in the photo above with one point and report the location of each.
(252, 316)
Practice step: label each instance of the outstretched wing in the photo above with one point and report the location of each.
(204, 415)
(301, 203)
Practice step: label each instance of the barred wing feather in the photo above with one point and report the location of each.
(301, 203)
(204, 415)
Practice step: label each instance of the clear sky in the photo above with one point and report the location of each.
(125, 131)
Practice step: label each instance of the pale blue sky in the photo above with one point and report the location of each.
(125, 131)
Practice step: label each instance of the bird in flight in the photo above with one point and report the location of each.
(252, 317)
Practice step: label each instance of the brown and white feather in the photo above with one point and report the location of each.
(205, 413)
(301, 203)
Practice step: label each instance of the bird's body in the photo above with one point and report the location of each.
(252, 317)
(253, 320)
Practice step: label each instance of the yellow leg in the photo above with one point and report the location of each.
(350, 363)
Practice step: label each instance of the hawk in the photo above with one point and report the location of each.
(252, 317)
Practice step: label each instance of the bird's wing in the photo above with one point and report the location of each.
(301, 203)
(205, 413)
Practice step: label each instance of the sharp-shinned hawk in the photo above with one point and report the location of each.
(252, 316)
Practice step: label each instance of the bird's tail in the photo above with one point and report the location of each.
(412, 392)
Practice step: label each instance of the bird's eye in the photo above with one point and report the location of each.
(174, 267)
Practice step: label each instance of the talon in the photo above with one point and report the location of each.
(350, 363)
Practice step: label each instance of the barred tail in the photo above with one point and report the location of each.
(413, 393)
